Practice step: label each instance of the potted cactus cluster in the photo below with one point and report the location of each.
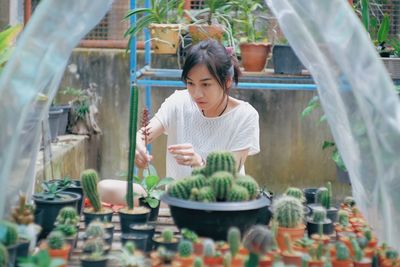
(215, 198)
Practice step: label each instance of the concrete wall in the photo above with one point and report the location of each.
(291, 151)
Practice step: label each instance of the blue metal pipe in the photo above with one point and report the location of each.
(132, 47)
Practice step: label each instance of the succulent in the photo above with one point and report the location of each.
(342, 252)
(180, 189)
(221, 183)
(324, 196)
(55, 240)
(358, 253)
(95, 229)
(198, 181)
(198, 262)
(206, 194)
(304, 242)
(295, 192)
(11, 233)
(234, 240)
(194, 194)
(237, 193)
(167, 235)
(367, 233)
(89, 180)
(316, 252)
(227, 260)
(198, 170)
(220, 161)
(288, 243)
(185, 248)
(3, 256)
(343, 218)
(67, 229)
(319, 215)
(165, 255)
(130, 247)
(391, 254)
(67, 215)
(349, 201)
(94, 246)
(250, 184)
(258, 239)
(209, 248)
(23, 213)
(288, 211)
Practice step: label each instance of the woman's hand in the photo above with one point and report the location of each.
(142, 159)
(184, 154)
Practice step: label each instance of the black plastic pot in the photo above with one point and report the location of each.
(170, 246)
(313, 228)
(94, 263)
(12, 255)
(105, 216)
(153, 211)
(107, 238)
(331, 213)
(147, 230)
(63, 121)
(127, 219)
(309, 194)
(49, 209)
(54, 121)
(285, 60)
(22, 248)
(75, 187)
(214, 219)
(265, 214)
(139, 240)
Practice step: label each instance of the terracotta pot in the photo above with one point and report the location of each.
(243, 251)
(365, 263)
(294, 233)
(204, 32)
(338, 263)
(390, 263)
(198, 248)
(185, 261)
(325, 239)
(165, 38)
(265, 261)
(292, 259)
(213, 261)
(238, 261)
(254, 55)
(61, 253)
(316, 263)
(369, 252)
(300, 249)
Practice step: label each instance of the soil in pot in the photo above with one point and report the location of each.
(171, 246)
(104, 216)
(139, 215)
(140, 240)
(145, 229)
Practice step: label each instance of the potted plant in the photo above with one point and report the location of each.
(303, 244)
(258, 240)
(146, 230)
(324, 199)
(69, 185)
(162, 257)
(290, 256)
(318, 218)
(129, 257)
(185, 251)
(95, 229)
(342, 256)
(288, 212)
(94, 253)
(162, 19)
(343, 224)
(210, 256)
(167, 240)
(316, 256)
(9, 238)
(67, 222)
(254, 48)
(359, 259)
(56, 246)
(196, 241)
(40, 259)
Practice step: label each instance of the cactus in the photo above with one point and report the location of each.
(95, 229)
(319, 215)
(304, 242)
(234, 240)
(194, 194)
(23, 213)
(288, 211)
(391, 254)
(89, 180)
(220, 161)
(342, 252)
(237, 193)
(55, 240)
(209, 248)
(227, 260)
(288, 243)
(349, 202)
(221, 183)
(198, 170)
(316, 252)
(94, 246)
(130, 247)
(367, 233)
(258, 239)
(343, 218)
(206, 194)
(324, 196)
(295, 192)
(198, 262)
(167, 235)
(67, 215)
(3, 256)
(250, 184)
(198, 181)
(180, 189)
(185, 248)
(11, 233)
(358, 253)
(67, 229)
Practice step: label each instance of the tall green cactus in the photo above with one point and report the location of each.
(10, 236)
(288, 211)
(185, 248)
(89, 180)
(220, 161)
(133, 117)
(221, 183)
(295, 192)
(3, 256)
(237, 193)
(56, 240)
(250, 184)
(324, 196)
(234, 240)
(358, 253)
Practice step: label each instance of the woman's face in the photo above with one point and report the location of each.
(204, 88)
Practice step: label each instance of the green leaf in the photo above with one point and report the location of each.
(328, 144)
(156, 194)
(383, 31)
(136, 179)
(165, 181)
(365, 14)
(312, 105)
(323, 118)
(338, 160)
(151, 181)
(153, 202)
(150, 170)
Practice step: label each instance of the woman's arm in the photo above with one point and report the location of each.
(240, 157)
(154, 130)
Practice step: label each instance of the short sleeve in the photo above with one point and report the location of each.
(247, 135)
(167, 110)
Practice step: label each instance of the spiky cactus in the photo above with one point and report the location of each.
(185, 248)
(167, 235)
(343, 218)
(3, 256)
(358, 253)
(221, 183)
(94, 245)
(288, 211)
(89, 180)
(295, 192)
(180, 189)
(95, 229)
(324, 196)
(10, 236)
(234, 237)
(250, 184)
(227, 260)
(130, 247)
(67, 215)
(367, 233)
(56, 240)
(349, 202)
(198, 262)
(258, 240)
(237, 193)
(342, 252)
(23, 213)
(220, 161)
(67, 229)
(209, 248)
(198, 181)
(206, 194)
(194, 194)
(319, 215)
(288, 243)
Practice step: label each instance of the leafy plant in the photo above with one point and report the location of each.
(189, 235)
(50, 191)
(7, 38)
(40, 259)
(80, 101)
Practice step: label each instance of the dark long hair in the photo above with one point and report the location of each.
(220, 62)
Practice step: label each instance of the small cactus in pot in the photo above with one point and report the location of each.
(319, 217)
(166, 239)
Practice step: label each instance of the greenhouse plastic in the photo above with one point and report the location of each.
(29, 82)
(358, 98)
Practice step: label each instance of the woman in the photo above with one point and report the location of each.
(199, 120)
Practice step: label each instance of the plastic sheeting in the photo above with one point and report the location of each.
(30, 81)
(359, 101)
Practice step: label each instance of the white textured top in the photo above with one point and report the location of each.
(183, 122)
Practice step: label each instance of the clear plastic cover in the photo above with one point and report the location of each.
(29, 82)
(359, 101)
